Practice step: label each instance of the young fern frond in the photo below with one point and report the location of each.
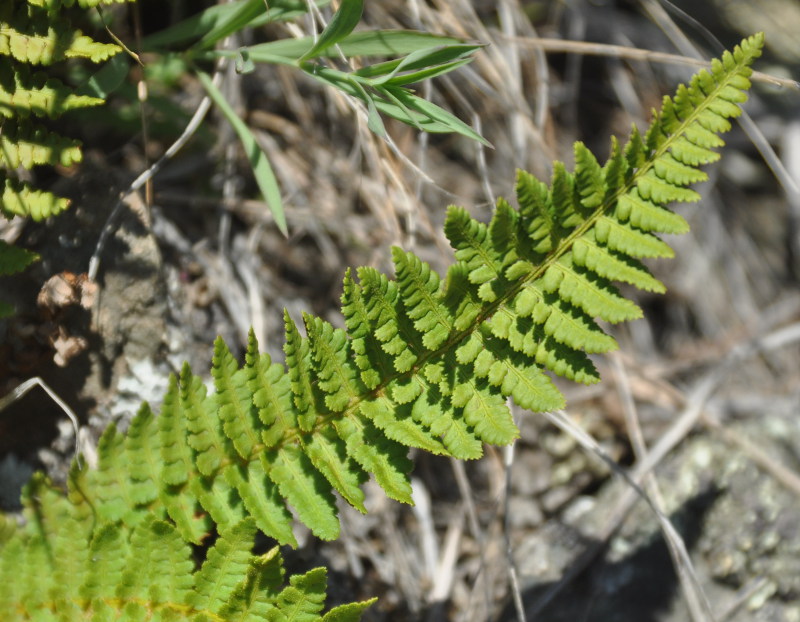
(425, 361)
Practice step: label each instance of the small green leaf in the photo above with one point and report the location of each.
(374, 121)
(108, 78)
(342, 24)
(351, 612)
(440, 59)
(425, 74)
(14, 259)
(437, 114)
(258, 159)
(244, 63)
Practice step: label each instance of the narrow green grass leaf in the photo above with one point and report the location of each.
(356, 44)
(226, 18)
(259, 161)
(341, 25)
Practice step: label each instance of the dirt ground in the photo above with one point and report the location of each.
(708, 383)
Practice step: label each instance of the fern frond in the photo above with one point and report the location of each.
(64, 565)
(38, 36)
(19, 199)
(13, 259)
(31, 144)
(424, 362)
(37, 33)
(23, 93)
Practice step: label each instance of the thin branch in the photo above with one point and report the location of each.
(20, 391)
(565, 46)
(696, 600)
(141, 180)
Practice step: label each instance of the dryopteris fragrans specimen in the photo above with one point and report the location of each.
(33, 33)
(424, 362)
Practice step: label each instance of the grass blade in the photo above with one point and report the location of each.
(262, 169)
(342, 24)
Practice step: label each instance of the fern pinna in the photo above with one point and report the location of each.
(424, 362)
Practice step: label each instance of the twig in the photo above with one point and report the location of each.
(20, 391)
(141, 180)
(695, 404)
(622, 51)
(696, 600)
(462, 481)
(513, 579)
(561, 420)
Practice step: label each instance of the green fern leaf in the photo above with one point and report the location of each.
(298, 360)
(350, 612)
(38, 36)
(252, 598)
(220, 498)
(205, 435)
(536, 219)
(621, 237)
(178, 467)
(485, 412)
(470, 239)
(304, 598)
(142, 457)
(647, 216)
(373, 363)
(386, 459)
(306, 490)
(19, 199)
(226, 562)
(233, 399)
(398, 425)
(385, 321)
(13, 259)
(110, 480)
(262, 500)
(336, 376)
(328, 453)
(272, 395)
(589, 178)
(28, 144)
(422, 364)
(107, 551)
(23, 94)
(175, 452)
